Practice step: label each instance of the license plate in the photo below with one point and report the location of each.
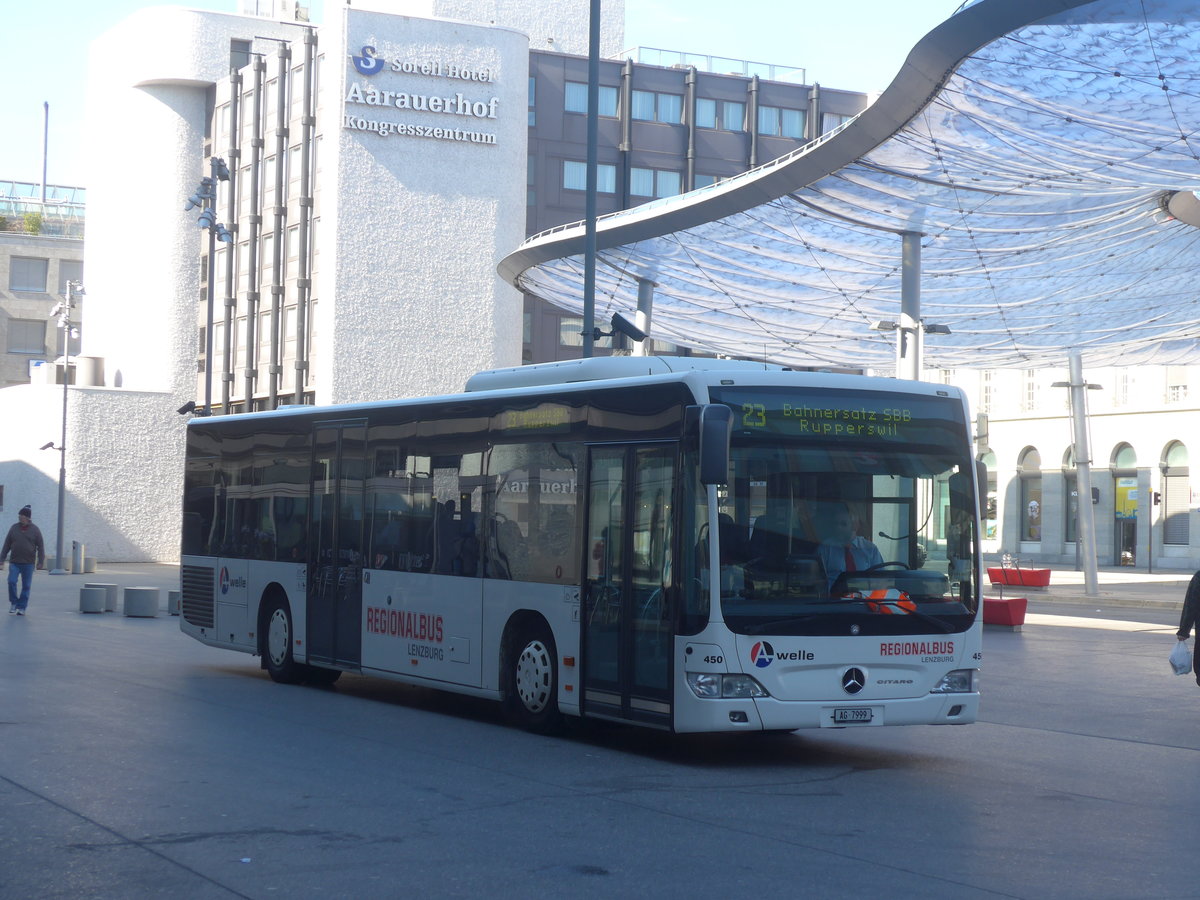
(855, 715)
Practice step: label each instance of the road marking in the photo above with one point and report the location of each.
(1100, 624)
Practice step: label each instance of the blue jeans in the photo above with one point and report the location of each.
(25, 570)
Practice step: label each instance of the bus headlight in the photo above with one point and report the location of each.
(712, 686)
(960, 681)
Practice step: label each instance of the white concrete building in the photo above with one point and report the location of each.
(417, 191)
(1142, 424)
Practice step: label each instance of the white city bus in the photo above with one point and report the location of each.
(548, 538)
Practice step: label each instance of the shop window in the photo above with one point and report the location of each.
(1176, 494)
(1031, 495)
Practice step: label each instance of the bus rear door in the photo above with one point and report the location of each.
(627, 620)
(336, 544)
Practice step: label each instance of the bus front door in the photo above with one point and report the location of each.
(627, 617)
(336, 544)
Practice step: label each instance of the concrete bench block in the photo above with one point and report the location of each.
(110, 594)
(141, 602)
(91, 599)
(174, 600)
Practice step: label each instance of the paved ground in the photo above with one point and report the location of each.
(137, 763)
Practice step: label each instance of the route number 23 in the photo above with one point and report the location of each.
(754, 415)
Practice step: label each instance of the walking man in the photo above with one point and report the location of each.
(1188, 619)
(24, 543)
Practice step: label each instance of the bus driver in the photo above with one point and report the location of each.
(841, 550)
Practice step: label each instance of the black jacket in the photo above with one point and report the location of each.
(1191, 608)
(25, 544)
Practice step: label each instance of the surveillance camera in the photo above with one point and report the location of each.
(46, 446)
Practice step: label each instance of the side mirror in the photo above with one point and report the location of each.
(716, 428)
(981, 483)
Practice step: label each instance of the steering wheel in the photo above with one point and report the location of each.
(894, 564)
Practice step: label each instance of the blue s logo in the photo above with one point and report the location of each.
(368, 63)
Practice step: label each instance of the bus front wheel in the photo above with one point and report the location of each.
(532, 689)
(277, 644)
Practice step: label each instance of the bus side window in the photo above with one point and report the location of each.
(532, 507)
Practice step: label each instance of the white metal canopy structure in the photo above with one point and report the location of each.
(1042, 153)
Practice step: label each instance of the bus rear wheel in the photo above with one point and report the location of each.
(277, 644)
(532, 680)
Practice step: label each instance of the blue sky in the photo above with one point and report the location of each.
(857, 45)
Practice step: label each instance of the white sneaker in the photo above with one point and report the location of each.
(20, 612)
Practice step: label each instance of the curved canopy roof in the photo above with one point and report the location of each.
(1047, 162)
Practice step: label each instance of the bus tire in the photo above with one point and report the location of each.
(532, 679)
(277, 643)
(321, 677)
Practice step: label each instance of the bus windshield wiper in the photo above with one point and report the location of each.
(767, 627)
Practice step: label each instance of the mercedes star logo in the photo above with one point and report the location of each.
(853, 681)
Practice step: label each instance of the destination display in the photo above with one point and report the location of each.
(841, 415)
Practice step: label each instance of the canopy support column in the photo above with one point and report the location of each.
(1086, 526)
(645, 312)
(908, 335)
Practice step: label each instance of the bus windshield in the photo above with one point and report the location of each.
(846, 512)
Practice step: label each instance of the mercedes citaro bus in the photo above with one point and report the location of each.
(687, 544)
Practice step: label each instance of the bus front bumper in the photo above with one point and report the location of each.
(769, 714)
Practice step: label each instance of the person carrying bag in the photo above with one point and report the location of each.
(1181, 659)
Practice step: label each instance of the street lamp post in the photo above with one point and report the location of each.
(206, 198)
(63, 312)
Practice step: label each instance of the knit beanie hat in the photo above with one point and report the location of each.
(26, 511)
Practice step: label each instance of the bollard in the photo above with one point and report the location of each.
(89, 565)
(91, 599)
(174, 599)
(76, 557)
(110, 594)
(141, 602)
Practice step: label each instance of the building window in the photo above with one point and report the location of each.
(781, 122)
(26, 336)
(987, 391)
(532, 97)
(575, 99)
(830, 121)
(726, 114)
(649, 106)
(733, 115)
(28, 275)
(654, 183)
(1031, 495)
(706, 180)
(69, 270)
(1029, 390)
(1120, 396)
(570, 331)
(575, 177)
(239, 53)
(1177, 384)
